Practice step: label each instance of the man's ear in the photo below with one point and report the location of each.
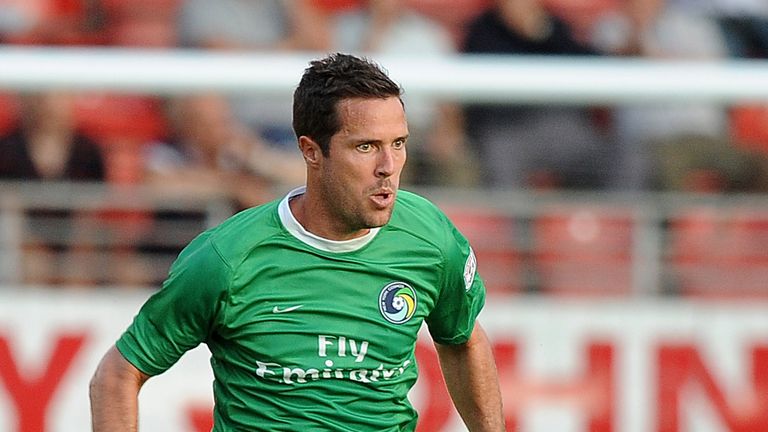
(310, 150)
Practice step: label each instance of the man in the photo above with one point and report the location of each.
(311, 305)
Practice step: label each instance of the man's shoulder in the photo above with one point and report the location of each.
(245, 230)
(413, 202)
(416, 213)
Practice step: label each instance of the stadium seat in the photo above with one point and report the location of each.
(583, 251)
(141, 23)
(493, 239)
(8, 112)
(749, 127)
(122, 123)
(717, 253)
(109, 116)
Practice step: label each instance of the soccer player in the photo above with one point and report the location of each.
(311, 305)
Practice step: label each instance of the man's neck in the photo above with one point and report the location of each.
(316, 219)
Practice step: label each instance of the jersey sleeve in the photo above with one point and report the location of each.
(462, 294)
(182, 314)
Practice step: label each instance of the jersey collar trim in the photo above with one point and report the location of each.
(294, 227)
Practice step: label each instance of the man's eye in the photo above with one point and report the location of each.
(399, 144)
(364, 147)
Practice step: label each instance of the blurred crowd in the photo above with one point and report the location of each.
(244, 144)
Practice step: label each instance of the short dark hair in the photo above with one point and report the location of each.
(328, 81)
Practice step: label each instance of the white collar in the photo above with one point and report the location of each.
(294, 227)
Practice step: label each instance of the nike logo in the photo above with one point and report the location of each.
(277, 310)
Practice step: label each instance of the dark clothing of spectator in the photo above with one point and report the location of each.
(521, 144)
(52, 236)
(84, 162)
(488, 34)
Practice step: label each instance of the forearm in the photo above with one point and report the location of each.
(472, 381)
(114, 393)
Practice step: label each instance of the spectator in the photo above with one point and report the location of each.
(744, 24)
(46, 146)
(209, 151)
(745, 30)
(662, 143)
(247, 25)
(239, 25)
(49, 22)
(455, 18)
(528, 145)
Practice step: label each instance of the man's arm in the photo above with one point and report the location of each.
(470, 374)
(114, 392)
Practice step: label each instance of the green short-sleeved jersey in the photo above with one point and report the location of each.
(307, 333)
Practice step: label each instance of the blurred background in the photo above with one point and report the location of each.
(607, 159)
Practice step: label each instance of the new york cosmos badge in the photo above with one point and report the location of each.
(397, 302)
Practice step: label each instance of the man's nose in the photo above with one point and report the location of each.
(386, 162)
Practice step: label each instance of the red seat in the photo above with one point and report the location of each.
(583, 251)
(108, 116)
(720, 254)
(8, 113)
(491, 236)
(144, 23)
(749, 127)
(122, 123)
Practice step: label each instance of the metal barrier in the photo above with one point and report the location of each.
(615, 244)
(563, 244)
(98, 234)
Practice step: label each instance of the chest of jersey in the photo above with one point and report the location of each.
(299, 314)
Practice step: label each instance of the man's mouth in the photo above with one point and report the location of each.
(383, 199)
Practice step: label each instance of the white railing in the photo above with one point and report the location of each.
(467, 78)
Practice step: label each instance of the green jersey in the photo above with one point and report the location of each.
(307, 333)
